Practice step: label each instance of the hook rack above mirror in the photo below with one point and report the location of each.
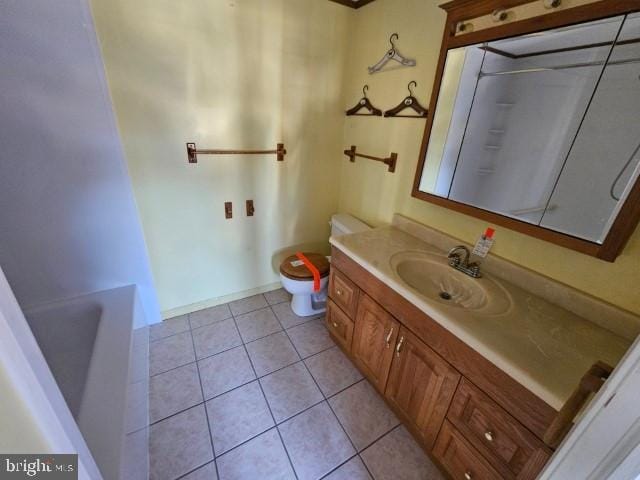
(364, 103)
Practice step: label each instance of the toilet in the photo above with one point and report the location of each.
(297, 279)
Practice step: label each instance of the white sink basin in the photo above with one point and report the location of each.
(432, 277)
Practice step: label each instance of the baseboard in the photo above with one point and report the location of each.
(212, 302)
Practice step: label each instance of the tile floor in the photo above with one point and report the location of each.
(249, 390)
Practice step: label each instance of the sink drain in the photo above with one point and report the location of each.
(445, 296)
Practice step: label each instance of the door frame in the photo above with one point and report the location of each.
(605, 442)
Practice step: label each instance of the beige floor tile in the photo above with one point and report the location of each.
(290, 391)
(225, 371)
(311, 337)
(354, 469)
(333, 371)
(173, 391)
(215, 338)
(271, 353)
(363, 414)
(179, 444)
(277, 296)
(286, 316)
(261, 458)
(257, 324)
(209, 315)
(397, 456)
(208, 472)
(171, 352)
(237, 416)
(248, 304)
(315, 441)
(169, 327)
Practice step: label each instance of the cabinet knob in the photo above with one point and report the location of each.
(338, 291)
(488, 436)
(468, 476)
(335, 325)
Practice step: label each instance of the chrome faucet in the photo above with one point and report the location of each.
(459, 259)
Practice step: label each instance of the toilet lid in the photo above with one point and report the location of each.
(293, 268)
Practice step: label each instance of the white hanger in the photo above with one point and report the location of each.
(392, 54)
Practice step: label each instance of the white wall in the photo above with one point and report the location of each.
(68, 219)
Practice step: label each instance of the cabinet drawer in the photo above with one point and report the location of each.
(343, 292)
(340, 326)
(459, 458)
(507, 444)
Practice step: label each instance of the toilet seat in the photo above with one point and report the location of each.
(292, 268)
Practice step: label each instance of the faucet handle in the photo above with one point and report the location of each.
(454, 251)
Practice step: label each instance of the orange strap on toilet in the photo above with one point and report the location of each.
(312, 268)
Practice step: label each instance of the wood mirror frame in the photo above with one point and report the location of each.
(587, 10)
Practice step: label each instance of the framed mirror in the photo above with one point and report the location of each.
(538, 129)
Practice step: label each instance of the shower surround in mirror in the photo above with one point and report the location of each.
(543, 127)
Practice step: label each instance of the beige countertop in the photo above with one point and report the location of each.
(542, 345)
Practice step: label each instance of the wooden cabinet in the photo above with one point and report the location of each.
(374, 341)
(510, 447)
(459, 458)
(421, 385)
(340, 326)
(343, 292)
(471, 417)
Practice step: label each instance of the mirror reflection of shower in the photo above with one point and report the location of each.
(543, 127)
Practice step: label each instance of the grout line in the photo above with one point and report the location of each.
(253, 379)
(339, 466)
(370, 445)
(235, 346)
(155, 422)
(206, 413)
(188, 315)
(322, 393)
(206, 400)
(209, 324)
(274, 426)
(198, 468)
(248, 311)
(366, 467)
(378, 438)
(273, 418)
(325, 398)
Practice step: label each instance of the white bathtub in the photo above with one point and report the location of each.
(97, 348)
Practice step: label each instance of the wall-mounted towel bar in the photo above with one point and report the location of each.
(390, 161)
(193, 152)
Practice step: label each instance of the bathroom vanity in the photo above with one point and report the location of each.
(480, 375)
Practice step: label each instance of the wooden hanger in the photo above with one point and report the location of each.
(364, 103)
(408, 102)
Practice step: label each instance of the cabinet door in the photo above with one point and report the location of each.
(374, 339)
(421, 385)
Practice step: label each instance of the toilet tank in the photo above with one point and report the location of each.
(342, 223)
